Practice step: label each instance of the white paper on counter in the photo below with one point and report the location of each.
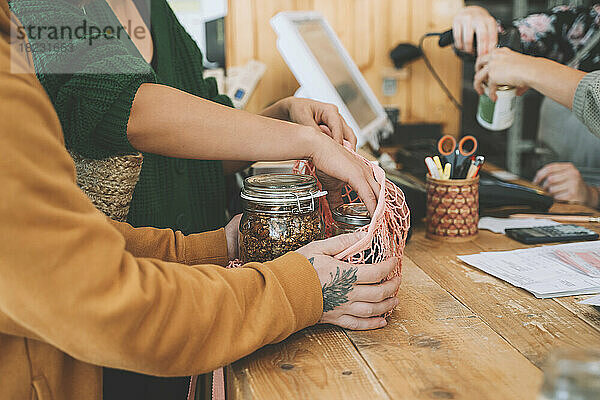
(499, 225)
(592, 301)
(539, 270)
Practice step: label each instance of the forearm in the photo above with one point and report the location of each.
(172, 123)
(167, 245)
(278, 110)
(275, 111)
(553, 80)
(158, 318)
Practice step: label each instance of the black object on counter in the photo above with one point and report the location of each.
(510, 38)
(551, 234)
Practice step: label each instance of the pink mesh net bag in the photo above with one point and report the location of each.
(388, 230)
(386, 237)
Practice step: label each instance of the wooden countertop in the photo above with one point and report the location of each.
(457, 333)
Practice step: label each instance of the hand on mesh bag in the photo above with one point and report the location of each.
(354, 295)
(334, 189)
(335, 186)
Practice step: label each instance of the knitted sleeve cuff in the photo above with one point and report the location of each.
(586, 102)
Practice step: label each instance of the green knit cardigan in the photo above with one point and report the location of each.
(93, 87)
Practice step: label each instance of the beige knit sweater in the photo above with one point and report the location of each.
(586, 103)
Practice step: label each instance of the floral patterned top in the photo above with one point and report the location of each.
(560, 33)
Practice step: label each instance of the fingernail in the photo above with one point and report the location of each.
(382, 323)
(396, 301)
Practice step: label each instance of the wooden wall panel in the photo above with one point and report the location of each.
(240, 40)
(363, 50)
(430, 102)
(398, 30)
(368, 29)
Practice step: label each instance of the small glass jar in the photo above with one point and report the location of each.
(281, 214)
(350, 217)
(572, 374)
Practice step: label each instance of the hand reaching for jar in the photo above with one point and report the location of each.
(333, 186)
(336, 165)
(334, 189)
(505, 67)
(353, 296)
(339, 163)
(314, 114)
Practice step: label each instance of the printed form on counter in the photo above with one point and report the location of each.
(592, 301)
(547, 271)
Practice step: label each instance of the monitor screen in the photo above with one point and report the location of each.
(333, 64)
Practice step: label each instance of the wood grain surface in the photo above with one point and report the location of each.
(436, 348)
(533, 326)
(317, 363)
(458, 333)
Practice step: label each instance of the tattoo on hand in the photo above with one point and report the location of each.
(335, 293)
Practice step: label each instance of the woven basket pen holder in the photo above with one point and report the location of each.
(452, 209)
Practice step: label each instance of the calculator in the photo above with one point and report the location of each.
(551, 234)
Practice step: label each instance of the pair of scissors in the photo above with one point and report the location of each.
(457, 154)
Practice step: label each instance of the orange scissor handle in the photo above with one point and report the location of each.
(463, 141)
(447, 145)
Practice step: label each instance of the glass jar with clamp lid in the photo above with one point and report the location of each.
(281, 214)
(350, 217)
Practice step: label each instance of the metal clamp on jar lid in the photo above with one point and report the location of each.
(282, 192)
(353, 215)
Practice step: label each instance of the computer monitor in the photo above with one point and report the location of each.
(327, 73)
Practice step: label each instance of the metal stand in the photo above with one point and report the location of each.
(515, 144)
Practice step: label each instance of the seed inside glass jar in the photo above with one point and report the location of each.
(281, 214)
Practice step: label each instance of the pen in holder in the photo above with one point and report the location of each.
(452, 209)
